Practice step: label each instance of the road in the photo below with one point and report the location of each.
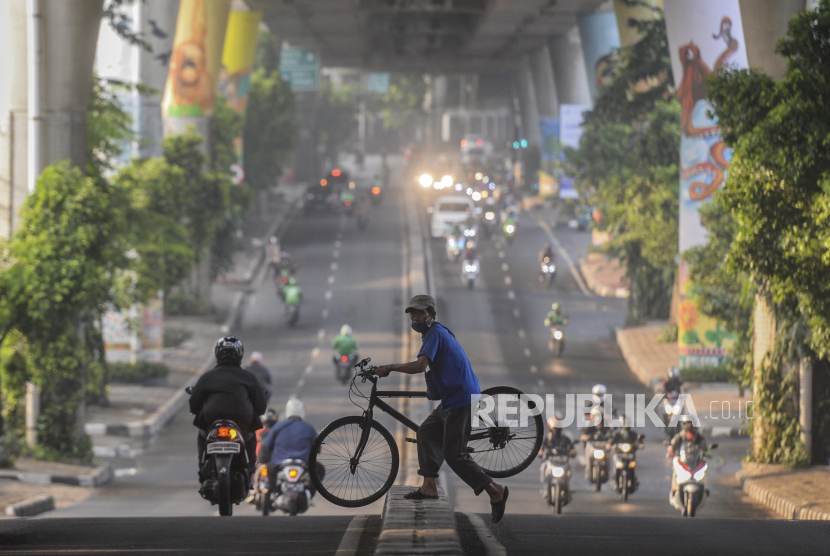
(355, 277)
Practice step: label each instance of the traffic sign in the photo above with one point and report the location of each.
(377, 83)
(300, 67)
(237, 173)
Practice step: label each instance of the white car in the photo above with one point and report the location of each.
(448, 210)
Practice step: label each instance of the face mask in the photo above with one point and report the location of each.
(690, 436)
(420, 327)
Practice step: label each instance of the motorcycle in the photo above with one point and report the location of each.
(625, 467)
(292, 313)
(454, 248)
(469, 273)
(291, 492)
(223, 466)
(689, 479)
(343, 365)
(509, 232)
(597, 463)
(556, 475)
(490, 224)
(547, 272)
(671, 406)
(556, 344)
(263, 502)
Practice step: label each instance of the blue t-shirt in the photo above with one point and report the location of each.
(451, 372)
(289, 439)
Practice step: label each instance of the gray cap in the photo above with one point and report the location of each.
(420, 303)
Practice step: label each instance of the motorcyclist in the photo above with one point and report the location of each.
(292, 294)
(555, 316)
(261, 372)
(268, 423)
(273, 254)
(345, 344)
(673, 383)
(556, 440)
(596, 432)
(470, 251)
(228, 392)
(688, 434)
(546, 253)
(624, 434)
(291, 438)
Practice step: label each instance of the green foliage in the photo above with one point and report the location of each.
(225, 126)
(707, 374)
(336, 110)
(404, 101)
(174, 337)
(137, 372)
(108, 126)
(270, 128)
(668, 335)
(626, 166)
(267, 55)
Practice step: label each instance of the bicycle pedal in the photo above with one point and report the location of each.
(413, 440)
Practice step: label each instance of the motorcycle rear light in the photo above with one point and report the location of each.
(344, 358)
(292, 473)
(348, 203)
(227, 432)
(376, 190)
(284, 280)
(264, 472)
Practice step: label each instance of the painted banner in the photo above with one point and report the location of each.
(135, 334)
(600, 45)
(703, 37)
(235, 75)
(549, 182)
(570, 130)
(196, 58)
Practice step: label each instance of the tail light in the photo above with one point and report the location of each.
(264, 472)
(344, 358)
(376, 190)
(284, 280)
(227, 432)
(292, 474)
(348, 203)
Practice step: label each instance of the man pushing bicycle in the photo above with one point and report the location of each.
(444, 434)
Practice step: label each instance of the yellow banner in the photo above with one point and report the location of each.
(629, 35)
(196, 58)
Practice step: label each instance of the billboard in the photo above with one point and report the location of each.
(703, 37)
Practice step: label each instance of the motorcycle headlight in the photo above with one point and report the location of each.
(675, 409)
(680, 473)
(599, 454)
(471, 268)
(625, 447)
(557, 472)
(619, 464)
(558, 334)
(476, 196)
(701, 473)
(509, 228)
(490, 215)
(668, 409)
(425, 180)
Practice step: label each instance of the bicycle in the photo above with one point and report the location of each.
(361, 458)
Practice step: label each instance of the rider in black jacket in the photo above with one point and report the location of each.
(229, 392)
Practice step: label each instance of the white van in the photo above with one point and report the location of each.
(448, 210)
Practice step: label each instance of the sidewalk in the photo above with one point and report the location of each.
(604, 275)
(794, 494)
(721, 410)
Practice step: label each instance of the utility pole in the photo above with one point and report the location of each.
(805, 409)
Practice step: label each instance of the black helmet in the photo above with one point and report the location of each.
(229, 350)
(271, 418)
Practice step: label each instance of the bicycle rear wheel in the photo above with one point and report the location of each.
(335, 447)
(504, 451)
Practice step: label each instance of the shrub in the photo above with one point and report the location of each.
(668, 335)
(137, 372)
(707, 374)
(176, 336)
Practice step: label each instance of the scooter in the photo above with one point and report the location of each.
(597, 463)
(509, 232)
(469, 273)
(625, 467)
(671, 406)
(454, 248)
(556, 344)
(223, 467)
(290, 493)
(556, 476)
(292, 314)
(689, 467)
(343, 365)
(547, 272)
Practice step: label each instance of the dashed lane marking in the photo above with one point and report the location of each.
(521, 333)
(308, 369)
(325, 314)
(321, 333)
(507, 280)
(516, 313)
(335, 254)
(501, 254)
(511, 295)
(333, 267)
(338, 244)
(328, 295)
(534, 369)
(331, 280)
(505, 267)
(301, 383)
(527, 352)
(315, 352)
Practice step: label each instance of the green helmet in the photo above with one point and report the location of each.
(555, 306)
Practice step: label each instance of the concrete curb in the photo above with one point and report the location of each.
(31, 506)
(150, 427)
(779, 504)
(600, 289)
(417, 526)
(102, 475)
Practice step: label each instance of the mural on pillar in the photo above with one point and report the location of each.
(700, 33)
(600, 48)
(548, 174)
(195, 59)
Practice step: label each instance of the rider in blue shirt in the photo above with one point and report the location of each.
(444, 434)
(291, 438)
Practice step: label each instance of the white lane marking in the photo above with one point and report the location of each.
(325, 314)
(315, 352)
(333, 267)
(516, 313)
(301, 383)
(492, 547)
(505, 267)
(308, 369)
(129, 472)
(521, 333)
(507, 280)
(501, 254)
(328, 295)
(511, 295)
(579, 282)
(534, 369)
(331, 280)
(321, 333)
(338, 244)
(527, 352)
(351, 538)
(335, 253)
(541, 383)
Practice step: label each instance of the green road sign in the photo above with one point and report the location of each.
(300, 67)
(377, 83)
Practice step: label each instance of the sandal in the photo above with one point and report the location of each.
(418, 495)
(499, 507)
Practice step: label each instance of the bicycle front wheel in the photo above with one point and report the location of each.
(506, 449)
(349, 481)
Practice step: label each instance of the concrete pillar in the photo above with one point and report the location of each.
(547, 101)
(764, 328)
(439, 101)
(528, 105)
(764, 23)
(13, 114)
(569, 73)
(70, 33)
(625, 12)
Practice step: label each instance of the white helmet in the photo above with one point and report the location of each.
(598, 390)
(295, 408)
(256, 357)
(471, 245)
(346, 330)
